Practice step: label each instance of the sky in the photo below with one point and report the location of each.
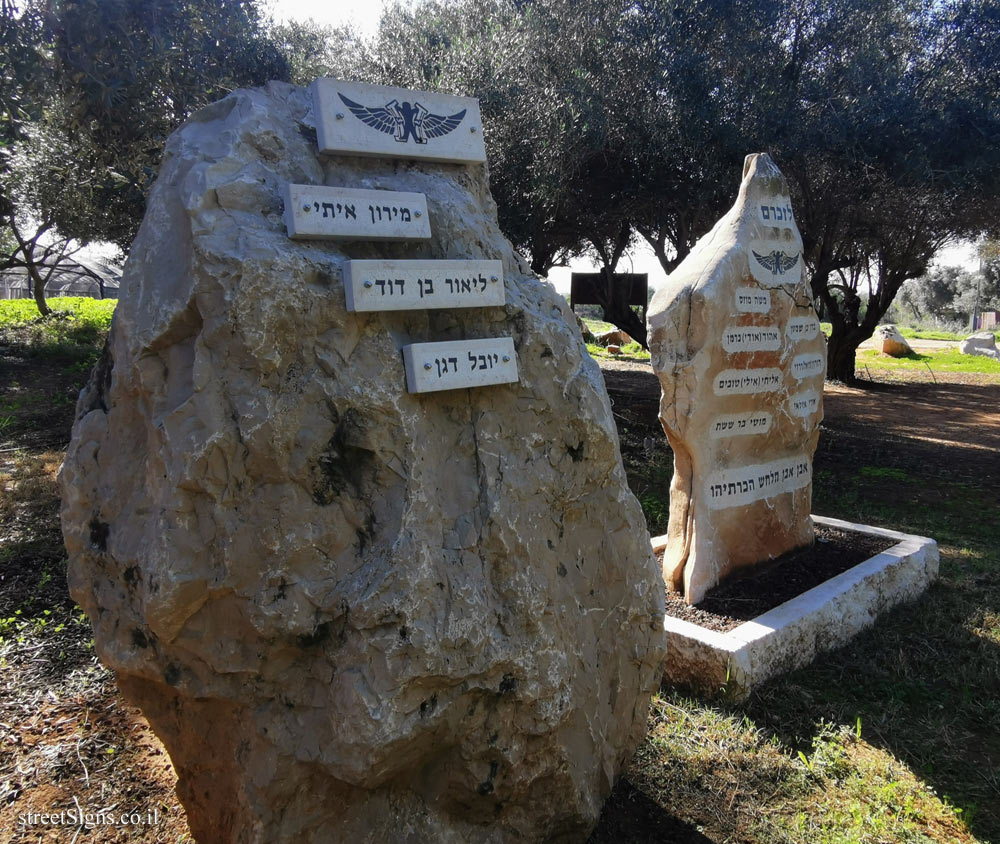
(364, 14)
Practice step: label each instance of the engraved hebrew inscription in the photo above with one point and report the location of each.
(456, 364)
(752, 300)
(807, 365)
(740, 424)
(751, 338)
(802, 328)
(804, 405)
(776, 211)
(393, 285)
(316, 212)
(742, 486)
(734, 382)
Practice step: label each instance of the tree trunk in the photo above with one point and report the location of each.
(622, 316)
(840, 358)
(38, 287)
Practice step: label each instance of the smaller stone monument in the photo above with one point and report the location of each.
(893, 342)
(736, 345)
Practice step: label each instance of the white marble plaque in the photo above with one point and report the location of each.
(413, 285)
(377, 120)
(740, 424)
(805, 366)
(776, 211)
(751, 338)
(802, 328)
(804, 404)
(742, 486)
(456, 364)
(774, 262)
(735, 382)
(752, 300)
(316, 212)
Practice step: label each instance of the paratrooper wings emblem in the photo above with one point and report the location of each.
(404, 120)
(777, 262)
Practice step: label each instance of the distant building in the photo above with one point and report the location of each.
(985, 320)
(96, 279)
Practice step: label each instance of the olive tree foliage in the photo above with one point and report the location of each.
(551, 89)
(313, 49)
(22, 85)
(128, 72)
(891, 147)
(611, 121)
(34, 243)
(950, 294)
(92, 90)
(708, 102)
(561, 94)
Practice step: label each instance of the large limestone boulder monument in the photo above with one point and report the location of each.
(737, 348)
(357, 606)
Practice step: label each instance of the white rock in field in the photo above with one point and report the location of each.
(614, 337)
(984, 344)
(893, 342)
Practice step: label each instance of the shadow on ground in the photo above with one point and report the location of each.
(630, 816)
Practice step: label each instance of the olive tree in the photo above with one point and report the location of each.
(93, 88)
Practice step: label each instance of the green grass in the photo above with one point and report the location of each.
(919, 334)
(81, 309)
(947, 360)
(894, 737)
(839, 788)
(71, 335)
(629, 350)
(596, 326)
(884, 472)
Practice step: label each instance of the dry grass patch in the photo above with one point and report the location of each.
(28, 482)
(732, 780)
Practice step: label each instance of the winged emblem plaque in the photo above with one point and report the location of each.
(777, 261)
(378, 120)
(404, 120)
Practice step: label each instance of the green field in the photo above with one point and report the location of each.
(71, 335)
(919, 334)
(946, 360)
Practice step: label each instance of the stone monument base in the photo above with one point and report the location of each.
(792, 634)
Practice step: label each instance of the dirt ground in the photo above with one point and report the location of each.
(68, 741)
(960, 413)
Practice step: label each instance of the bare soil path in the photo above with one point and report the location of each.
(954, 424)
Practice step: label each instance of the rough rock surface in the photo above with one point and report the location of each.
(351, 613)
(737, 348)
(984, 344)
(893, 343)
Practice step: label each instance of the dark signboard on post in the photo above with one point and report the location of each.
(627, 289)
